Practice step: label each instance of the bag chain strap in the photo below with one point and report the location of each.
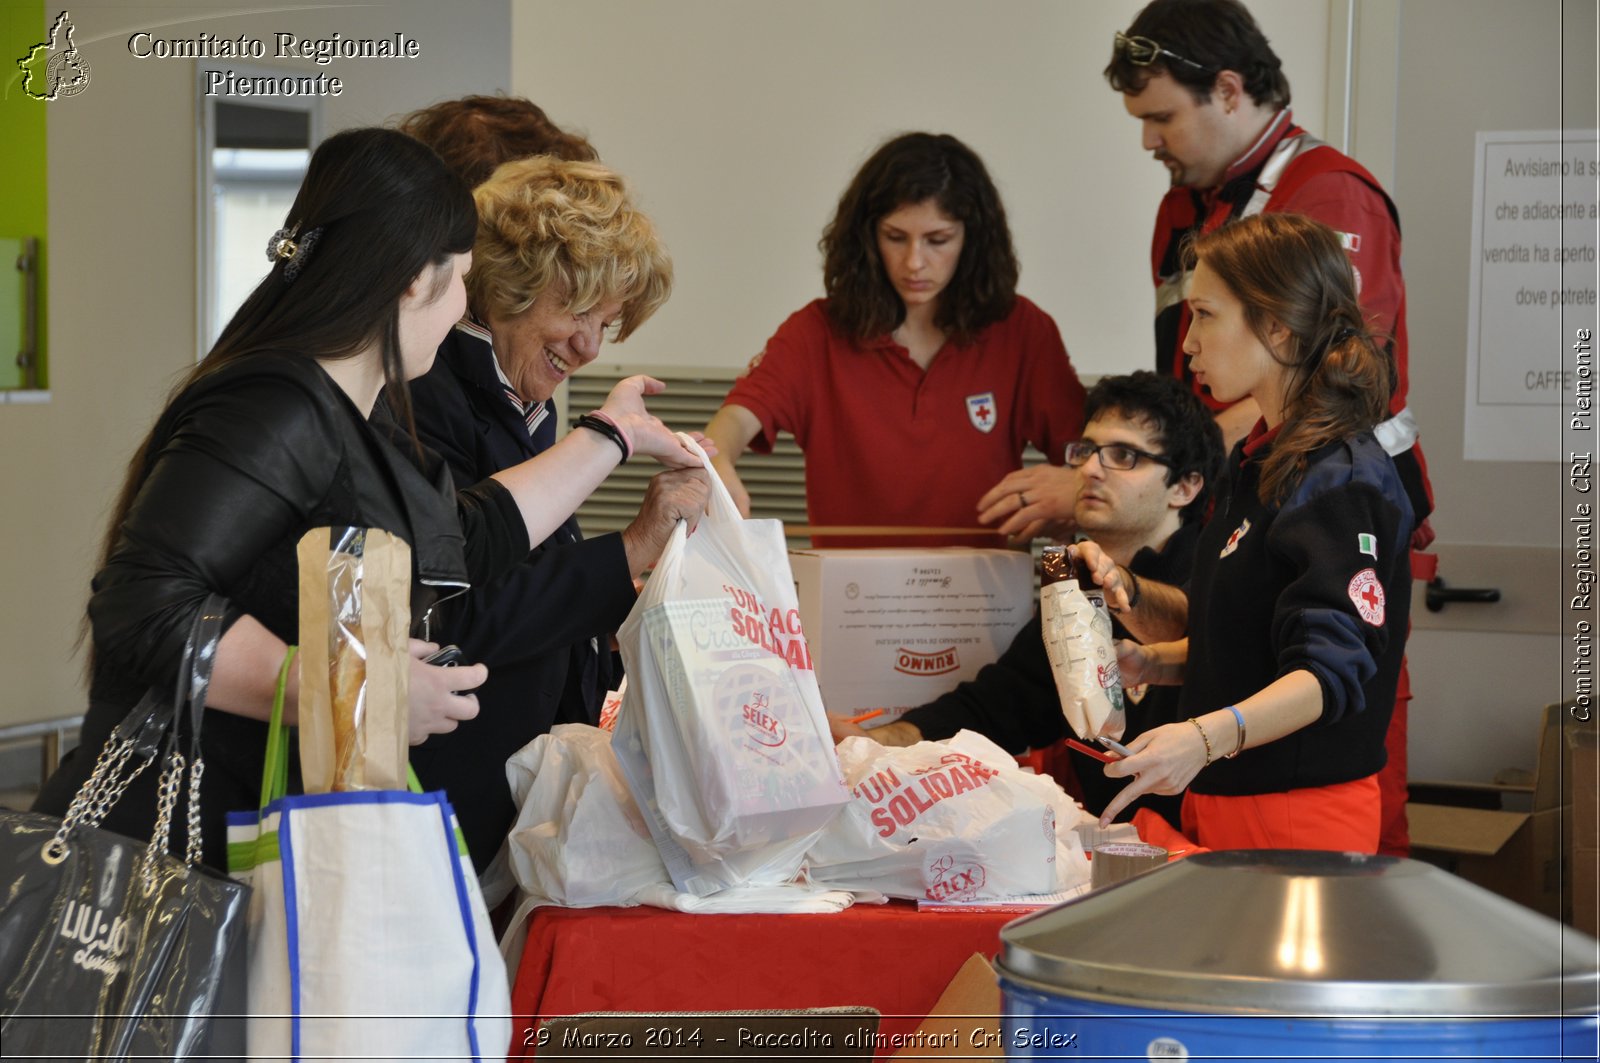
(105, 785)
(91, 803)
(112, 785)
(166, 800)
(196, 769)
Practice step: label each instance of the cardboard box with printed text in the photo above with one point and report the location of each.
(894, 628)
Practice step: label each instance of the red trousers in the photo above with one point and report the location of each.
(1394, 835)
(1343, 817)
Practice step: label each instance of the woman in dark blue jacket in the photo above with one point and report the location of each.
(1296, 611)
(564, 261)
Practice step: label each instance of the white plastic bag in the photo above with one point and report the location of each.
(948, 821)
(579, 840)
(1083, 657)
(722, 736)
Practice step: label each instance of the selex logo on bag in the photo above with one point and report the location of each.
(952, 883)
(760, 724)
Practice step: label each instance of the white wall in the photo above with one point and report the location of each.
(739, 124)
(122, 286)
(1482, 673)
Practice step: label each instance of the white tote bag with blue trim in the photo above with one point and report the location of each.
(368, 935)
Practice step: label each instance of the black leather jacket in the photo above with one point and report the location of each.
(242, 464)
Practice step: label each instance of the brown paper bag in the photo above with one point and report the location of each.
(355, 617)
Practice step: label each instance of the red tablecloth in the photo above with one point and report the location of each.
(889, 957)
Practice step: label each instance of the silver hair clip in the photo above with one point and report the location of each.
(285, 246)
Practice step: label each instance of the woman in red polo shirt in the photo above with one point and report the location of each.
(914, 386)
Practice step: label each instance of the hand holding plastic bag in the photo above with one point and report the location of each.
(722, 736)
(1077, 639)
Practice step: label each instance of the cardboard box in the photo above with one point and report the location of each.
(1467, 828)
(893, 629)
(964, 1022)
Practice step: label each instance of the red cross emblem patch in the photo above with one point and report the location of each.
(980, 410)
(1367, 594)
(1233, 540)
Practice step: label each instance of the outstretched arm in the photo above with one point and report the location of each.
(553, 485)
(731, 429)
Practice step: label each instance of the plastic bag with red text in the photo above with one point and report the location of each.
(949, 821)
(722, 736)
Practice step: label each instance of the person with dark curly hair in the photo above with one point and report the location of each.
(1145, 466)
(916, 383)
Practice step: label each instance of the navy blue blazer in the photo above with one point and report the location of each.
(544, 630)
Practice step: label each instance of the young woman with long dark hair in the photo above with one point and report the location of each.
(269, 437)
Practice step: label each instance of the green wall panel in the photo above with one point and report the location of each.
(24, 176)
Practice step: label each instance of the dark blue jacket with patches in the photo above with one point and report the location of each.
(1321, 584)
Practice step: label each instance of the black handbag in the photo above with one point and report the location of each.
(111, 948)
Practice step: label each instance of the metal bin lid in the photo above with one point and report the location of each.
(1305, 933)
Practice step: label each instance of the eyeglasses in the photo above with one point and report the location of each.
(1142, 51)
(1112, 455)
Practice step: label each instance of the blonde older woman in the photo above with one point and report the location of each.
(563, 262)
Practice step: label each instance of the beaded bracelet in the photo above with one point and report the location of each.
(599, 422)
(1204, 738)
(1239, 719)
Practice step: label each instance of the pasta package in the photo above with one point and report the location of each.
(355, 620)
(1077, 639)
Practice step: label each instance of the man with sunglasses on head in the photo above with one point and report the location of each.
(1213, 103)
(1142, 478)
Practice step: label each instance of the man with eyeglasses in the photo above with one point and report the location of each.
(1213, 103)
(1142, 474)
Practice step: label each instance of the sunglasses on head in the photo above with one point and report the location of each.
(1142, 51)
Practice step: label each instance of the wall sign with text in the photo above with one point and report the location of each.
(1534, 219)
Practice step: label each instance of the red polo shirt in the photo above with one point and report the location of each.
(888, 443)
